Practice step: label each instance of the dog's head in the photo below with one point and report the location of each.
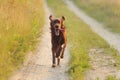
(56, 24)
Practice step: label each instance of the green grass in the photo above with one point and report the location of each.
(80, 40)
(20, 27)
(111, 78)
(105, 11)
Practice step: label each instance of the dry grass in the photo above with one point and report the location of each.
(20, 26)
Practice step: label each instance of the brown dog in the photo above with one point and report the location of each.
(58, 39)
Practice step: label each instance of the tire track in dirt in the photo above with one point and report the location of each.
(112, 38)
(38, 66)
(102, 64)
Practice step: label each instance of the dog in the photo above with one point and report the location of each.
(58, 39)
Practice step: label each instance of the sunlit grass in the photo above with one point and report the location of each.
(80, 40)
(105, 11)
(20, 26)
(110, 77)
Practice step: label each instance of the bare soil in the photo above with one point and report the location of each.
(102, 66)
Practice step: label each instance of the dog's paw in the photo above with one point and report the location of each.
(54, 65)
(61, 57)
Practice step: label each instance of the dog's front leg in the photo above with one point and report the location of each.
(53, 58)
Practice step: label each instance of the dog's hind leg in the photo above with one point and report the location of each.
(58, 51)
(58, 61)
(62, 51)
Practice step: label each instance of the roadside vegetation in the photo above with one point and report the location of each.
(20, 26)
(111, 78)
(105, 11)
(80, 40)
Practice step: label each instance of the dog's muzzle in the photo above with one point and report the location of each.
(57, 30)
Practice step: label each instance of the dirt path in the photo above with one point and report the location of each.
(102, 64)
(39, 65)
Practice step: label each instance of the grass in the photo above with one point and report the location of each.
(105, 11)
(80, 40)
(111, 78)
(20, 26)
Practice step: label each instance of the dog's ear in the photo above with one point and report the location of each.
(62, 20)
(51, 17)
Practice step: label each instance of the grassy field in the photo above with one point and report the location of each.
(105, 11)
(20, 26)
(111, 78)
(80, 40)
